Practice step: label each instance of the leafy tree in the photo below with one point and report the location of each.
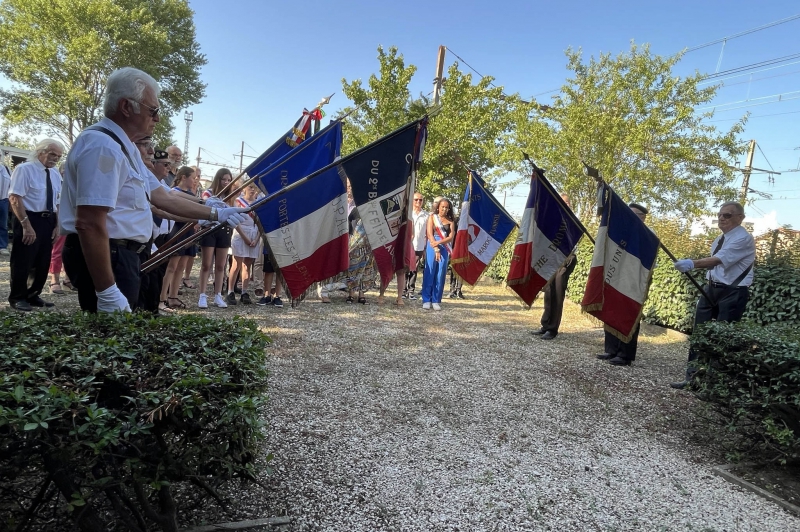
(635, 121)
(471, 120)
(58, 54)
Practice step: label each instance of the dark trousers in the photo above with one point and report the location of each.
(124, 265)
(554, 294)
(730, 305)
(411, 275)
(32, 259)
(150, 284)
(618, 348)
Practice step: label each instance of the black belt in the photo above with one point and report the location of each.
(715, 284)
(136, 247)
(43, 214)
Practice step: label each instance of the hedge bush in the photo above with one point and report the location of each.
(752, 373)
(111, 411)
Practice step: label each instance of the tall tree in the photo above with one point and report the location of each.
(634, 120)
(472, 119)
(58, 54)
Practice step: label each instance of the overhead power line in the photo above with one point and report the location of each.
(743, 33)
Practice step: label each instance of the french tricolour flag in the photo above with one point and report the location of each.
(306, 228)
(547, 236)
(622, 267)
(483, 226)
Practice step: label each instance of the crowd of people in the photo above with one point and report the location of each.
(117, 199)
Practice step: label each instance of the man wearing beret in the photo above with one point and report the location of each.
(729, 274)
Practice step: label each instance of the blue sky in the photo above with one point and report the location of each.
(268, 60)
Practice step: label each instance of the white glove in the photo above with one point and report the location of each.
(684, 265)
(214, 201)
(112, 300)
(233, 216)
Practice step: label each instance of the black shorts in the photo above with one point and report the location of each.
(189, 251)
(267, 266)
(218, 240)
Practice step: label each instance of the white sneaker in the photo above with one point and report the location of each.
(437, 306)
(203, 301)
(220, 301)
(426, 306)
(4, 251)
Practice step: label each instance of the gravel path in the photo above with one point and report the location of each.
(385, 418)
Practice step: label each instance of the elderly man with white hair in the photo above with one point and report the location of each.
(108, 191)
(33, 195)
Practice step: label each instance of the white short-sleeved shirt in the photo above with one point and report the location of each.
(99, 174)
(738, 251)
(420, 229)
(29, 181)
(5, 181)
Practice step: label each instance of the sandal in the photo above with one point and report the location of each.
(326, 299)
(362, 300)
(350, 299)
(69, 285)
(173, 306)
(399, 302)
(188, 285)
(381, 300)
(164, 307)
(59, 292)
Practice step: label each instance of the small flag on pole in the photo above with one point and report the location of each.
(483, 227)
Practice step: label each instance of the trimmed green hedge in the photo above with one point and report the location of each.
(751, 372)
(112, 410)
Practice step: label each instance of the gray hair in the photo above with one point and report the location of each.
(127, 83)
(44, 144)
(736, 206)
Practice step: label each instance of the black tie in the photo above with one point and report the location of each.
(49, 200)
(719, 245)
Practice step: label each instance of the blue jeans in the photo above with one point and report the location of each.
(3, 223)
(435, 275)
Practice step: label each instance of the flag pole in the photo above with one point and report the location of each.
(491, 196)
(594, 173)
(549, 187)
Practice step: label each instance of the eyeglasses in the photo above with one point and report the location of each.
(725, 215)
(153, 110)
(417, 199)
(165, 163)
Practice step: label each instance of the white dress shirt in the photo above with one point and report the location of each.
(29, 181)
(738, 251)
(5, 181)
(420, 237)
(99, 174)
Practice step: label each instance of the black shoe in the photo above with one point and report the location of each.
(548, 335)
(22, 306)
(245, 298)
(266, 300)
(231, 299)
(605, 356)
(619, 361)
(539, 331)
(411, 296)
(680, 385)
(453, 296)
(39, 302)
(460, 295)
(276, 302)
(237, 290)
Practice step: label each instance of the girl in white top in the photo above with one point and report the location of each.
(246, 246)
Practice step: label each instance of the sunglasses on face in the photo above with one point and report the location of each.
(725, 215)
(153, 110)
(417, 199)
